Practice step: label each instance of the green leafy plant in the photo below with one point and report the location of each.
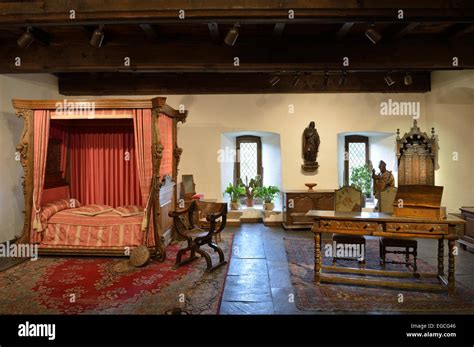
(361, 178)
(268, 194)
(234, 192)
(251, 186)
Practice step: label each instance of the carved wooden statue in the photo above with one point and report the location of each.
(311, 143)
(384, 179)
(416, 153)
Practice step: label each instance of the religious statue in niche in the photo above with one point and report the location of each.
(311, 143)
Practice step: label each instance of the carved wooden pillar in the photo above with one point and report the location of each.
(25, 150)
(177, 151)
(157, 156)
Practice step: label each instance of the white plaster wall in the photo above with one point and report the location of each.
(448, 107)
(11, 192)
(451, 113)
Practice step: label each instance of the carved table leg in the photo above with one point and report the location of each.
(317, 258)
(441, 257)
(451, 266)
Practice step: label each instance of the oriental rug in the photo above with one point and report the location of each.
(80, 285)
(364, 299)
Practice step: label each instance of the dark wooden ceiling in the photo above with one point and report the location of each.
(169, 55)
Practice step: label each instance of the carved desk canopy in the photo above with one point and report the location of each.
(27, 108)
(416, 154)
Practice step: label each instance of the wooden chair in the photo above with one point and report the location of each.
(196, 237)
(204, 208)
(348, 199)
(402, 246)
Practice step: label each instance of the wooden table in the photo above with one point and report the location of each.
(382, 224)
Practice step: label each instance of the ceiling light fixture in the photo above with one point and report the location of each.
(325, 79)
(389, 80)
(296, 80)
(232, 35)
(274, 81)
(97, 37)
(373, 35)
(343, 79)
(26, 39)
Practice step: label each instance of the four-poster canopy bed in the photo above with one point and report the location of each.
(99, 180)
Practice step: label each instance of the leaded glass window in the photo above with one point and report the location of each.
(249, 157)
(356, 155)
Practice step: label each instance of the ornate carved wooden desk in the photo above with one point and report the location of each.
(381, 224)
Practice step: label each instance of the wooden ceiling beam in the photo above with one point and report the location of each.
(57, 12)
(254, 55)
(232, 83)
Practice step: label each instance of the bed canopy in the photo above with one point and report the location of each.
(104, 152)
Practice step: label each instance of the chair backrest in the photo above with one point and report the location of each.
(205, 208)
(387, 198)
(348, 199)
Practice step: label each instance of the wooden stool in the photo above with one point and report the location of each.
(404, 244)
(348, 240)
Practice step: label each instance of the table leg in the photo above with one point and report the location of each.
(451, 266)
(317, 258)
(441, 257)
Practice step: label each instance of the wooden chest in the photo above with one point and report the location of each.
(419, 201)
(299, 202)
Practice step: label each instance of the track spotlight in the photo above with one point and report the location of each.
(373, 35)
(26, 39)
(389, 80)
(343, 79)
(274, 81)
(232, 35)
(97, 37)
(408, 79)
(325, 79)
(296, 80)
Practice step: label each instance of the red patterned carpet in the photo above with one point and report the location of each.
(78, 285)
(344, 298)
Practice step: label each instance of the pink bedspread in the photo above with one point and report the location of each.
(109, 230)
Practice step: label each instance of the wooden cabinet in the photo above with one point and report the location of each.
(467, 239)
(299, 202)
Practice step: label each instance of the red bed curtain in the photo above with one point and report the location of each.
(60, 132)
(165, 124)
(40, 143)
(103, 165)
(142, 125)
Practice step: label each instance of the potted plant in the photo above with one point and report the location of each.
(250, 188)
(361, 178)
(268, 194)
(234, 193)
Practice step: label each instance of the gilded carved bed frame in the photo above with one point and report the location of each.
(162, 185)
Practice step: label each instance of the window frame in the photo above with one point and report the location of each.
(354, 139)
(248, 139)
